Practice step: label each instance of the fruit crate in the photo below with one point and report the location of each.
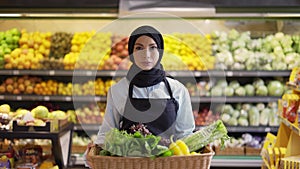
(201, 161)
(250, 151)
(77, 149)
(52, 125)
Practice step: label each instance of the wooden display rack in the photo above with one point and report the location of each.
(288, 137)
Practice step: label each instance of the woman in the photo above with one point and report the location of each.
(146, 95)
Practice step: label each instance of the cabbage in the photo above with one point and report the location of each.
(275, 88)
(272, 105)
(250, 90)
(233, 34)
(273, 118)
(241, 55)
(235, 113)
(234, 84)
(225, 117)
(264, 116)
(238, 106)
(232, 121)
(222, 83)
(246, 106)
(261, 91)
(240, 91)
(258, 82)
(242, 121)
(227, 108)
(229, 91)
(243, 113)
(216, 91)
(238, 66)
(260, 106)
(254, 116)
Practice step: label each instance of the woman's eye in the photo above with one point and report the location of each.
(153, 47)
(138, 48)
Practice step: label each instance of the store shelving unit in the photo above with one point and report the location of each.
(60, 140)
(177, 74)
(288, 137)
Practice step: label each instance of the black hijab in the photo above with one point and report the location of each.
(137, 76)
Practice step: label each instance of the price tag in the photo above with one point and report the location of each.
(16, 72)
(89, 73)
(19, 98)
(112, 73)
(46, 98)
(52, 72)
(68, 98)
(1, 97)
(97, 99)
(267, 129)
(229, 73)
(197, 74)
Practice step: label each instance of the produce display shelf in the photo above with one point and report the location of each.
(293, 127)
(252, 129)
(236, 161)
(234, 99)
(9, 97)
(194, 99)
(175, 73)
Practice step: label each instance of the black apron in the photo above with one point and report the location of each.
(157, 114)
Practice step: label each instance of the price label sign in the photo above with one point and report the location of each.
(68, 99)
(51, 72)
(16, 72)
(89, 73)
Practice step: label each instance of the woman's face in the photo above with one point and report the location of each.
(145, 52)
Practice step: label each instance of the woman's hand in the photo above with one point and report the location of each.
(89, 146)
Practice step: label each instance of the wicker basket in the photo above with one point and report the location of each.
(201, 161)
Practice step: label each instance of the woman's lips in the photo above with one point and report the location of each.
(146, 63)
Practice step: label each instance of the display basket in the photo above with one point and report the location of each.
(200, 161)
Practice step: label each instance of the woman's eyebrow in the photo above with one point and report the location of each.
(151, 44)
(139, 44)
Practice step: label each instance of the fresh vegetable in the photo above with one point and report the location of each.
(242, 121)
(240, 91)
(254, 116)
(120, 143)
(250, 90)
(206, 135)
(179, 147)
(275, 88)
(234, 84)
(228, 91)
(261, 91)
(216, 91)
(264, 116)
(167, 153)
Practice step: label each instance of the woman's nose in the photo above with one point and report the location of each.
(147, 53)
